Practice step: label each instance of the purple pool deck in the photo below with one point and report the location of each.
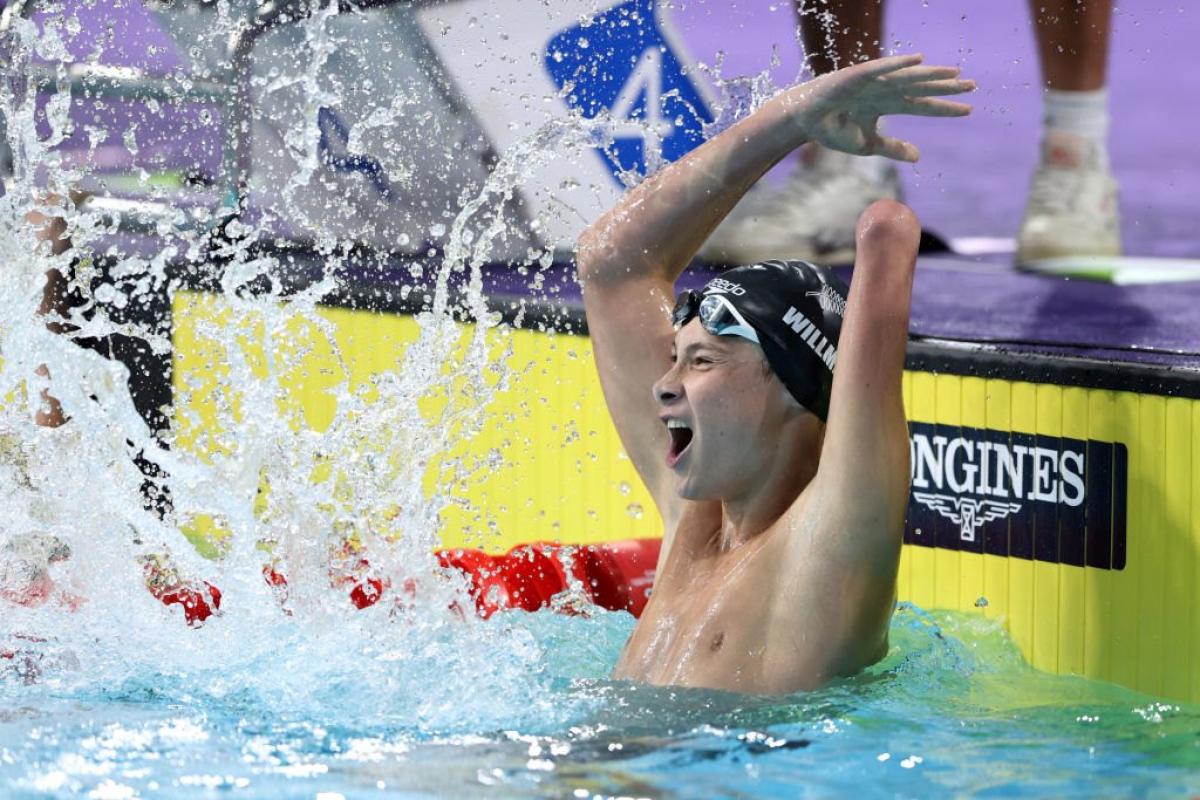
(183, 137)
(1147, 324)
(962, 300)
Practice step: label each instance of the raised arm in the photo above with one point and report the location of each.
(845, 555)
(865, 453)
(629, 259)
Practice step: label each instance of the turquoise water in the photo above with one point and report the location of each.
(521, 706)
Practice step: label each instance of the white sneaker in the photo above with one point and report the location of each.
(1072, 208)
(812, 216)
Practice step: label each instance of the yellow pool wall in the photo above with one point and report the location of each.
(548, 466)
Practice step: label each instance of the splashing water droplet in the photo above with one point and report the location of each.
(290, 512)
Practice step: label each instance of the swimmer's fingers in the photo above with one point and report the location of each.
(939, 88)
(852, 84)
(887, 65)
(895, 149)
(932, 107)
(922, 74)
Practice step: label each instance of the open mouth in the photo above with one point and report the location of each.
(681, 437)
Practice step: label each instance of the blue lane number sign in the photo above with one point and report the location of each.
(623, 69)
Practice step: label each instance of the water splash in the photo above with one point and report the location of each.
(256, 485)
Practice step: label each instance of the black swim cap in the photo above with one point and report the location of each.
(797, 310)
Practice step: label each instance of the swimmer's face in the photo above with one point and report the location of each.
(724, 409)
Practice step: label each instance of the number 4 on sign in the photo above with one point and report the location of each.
(645, 83)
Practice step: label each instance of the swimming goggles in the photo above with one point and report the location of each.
(717, 315)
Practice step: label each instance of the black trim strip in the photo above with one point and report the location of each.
(993, 361)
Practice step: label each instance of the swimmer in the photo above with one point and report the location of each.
(769, 430)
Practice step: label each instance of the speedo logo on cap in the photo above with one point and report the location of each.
(812, 336)
(722, 286)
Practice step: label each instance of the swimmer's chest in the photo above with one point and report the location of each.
(710, 624)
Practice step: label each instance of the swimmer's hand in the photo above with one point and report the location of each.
(841, 110)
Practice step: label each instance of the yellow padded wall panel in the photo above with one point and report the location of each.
(559, 471)
(922, 559)
(1192, 600)
(1099, 584)
(997, 416)
(1046, 609)
(1150, 567)
(973, 412)
(946, 563)
(904, 576)
(1072, 588)
(1136, 625)
(1179, 570)
(1121, 627)
(1020, 572)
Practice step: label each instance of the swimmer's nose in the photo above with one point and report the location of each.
(667, 389)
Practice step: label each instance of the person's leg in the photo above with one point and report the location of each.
(1072, 207)
(1072, 38)
(838, 33)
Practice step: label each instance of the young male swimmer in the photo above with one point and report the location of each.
(764, 413)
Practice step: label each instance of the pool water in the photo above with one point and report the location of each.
(520, 705)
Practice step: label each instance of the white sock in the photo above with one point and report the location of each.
(1082, 114)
